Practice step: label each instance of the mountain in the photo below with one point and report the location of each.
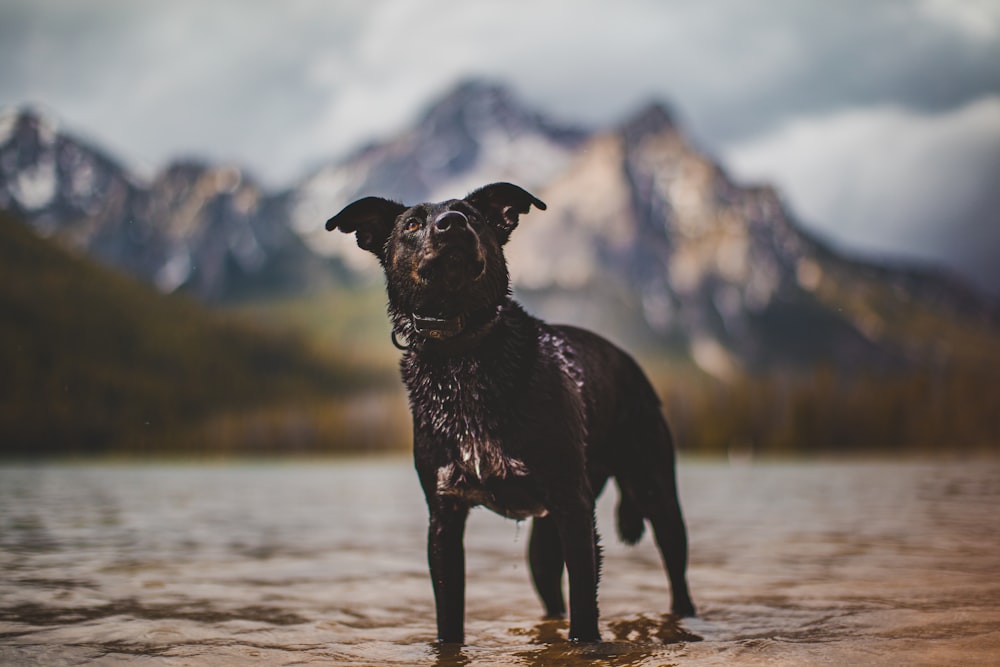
(720, 269)
(645, 238)
(474, 134)
(209, 230)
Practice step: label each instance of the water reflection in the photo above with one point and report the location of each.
(320, 564)
(635, 641)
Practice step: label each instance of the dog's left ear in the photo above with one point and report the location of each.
(503, 203)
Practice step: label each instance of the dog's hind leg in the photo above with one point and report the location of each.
(650, 488)
(664, 513)
(545, 557)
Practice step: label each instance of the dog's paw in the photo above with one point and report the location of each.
(683, 608)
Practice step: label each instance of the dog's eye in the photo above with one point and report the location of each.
(411, 225)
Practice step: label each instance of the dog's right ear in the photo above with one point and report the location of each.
(371, 219)
(504, 203)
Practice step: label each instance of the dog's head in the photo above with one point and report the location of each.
(445, 259)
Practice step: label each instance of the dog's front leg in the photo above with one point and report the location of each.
(579, 539)
(446, 557)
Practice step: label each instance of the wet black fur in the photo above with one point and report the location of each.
(526, 418)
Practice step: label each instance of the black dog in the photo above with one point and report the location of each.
(509, 412)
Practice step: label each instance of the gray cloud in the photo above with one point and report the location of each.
(276, 85)
(886, 180)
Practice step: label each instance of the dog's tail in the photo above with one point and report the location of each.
(631, 523)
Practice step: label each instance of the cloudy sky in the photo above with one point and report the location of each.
(879, 120)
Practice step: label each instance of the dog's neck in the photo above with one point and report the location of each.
(459, 332)
(437, 328)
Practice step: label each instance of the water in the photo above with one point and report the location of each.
(276, 564)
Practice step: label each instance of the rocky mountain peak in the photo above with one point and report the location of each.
(195, 226)
(474, 104)
(476, 133)
(653, 118)
(479, 107)
(56, 181)
(645, 236)
(30, 129)
(28, 164)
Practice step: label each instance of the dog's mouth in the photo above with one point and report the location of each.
(452, 265)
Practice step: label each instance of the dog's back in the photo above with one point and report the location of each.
(627, 436)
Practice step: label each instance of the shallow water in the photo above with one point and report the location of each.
(247, 564)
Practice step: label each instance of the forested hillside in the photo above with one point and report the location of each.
(94, 362)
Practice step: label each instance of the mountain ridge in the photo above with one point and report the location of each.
(639, 219)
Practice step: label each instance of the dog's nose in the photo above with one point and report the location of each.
(450, 220)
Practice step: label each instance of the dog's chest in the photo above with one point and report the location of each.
(463, 405)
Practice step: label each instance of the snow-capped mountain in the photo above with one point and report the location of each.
(477, 133)
(207, 229)
(61, 185)
(645, 236)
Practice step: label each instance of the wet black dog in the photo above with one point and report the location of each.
(528, 419)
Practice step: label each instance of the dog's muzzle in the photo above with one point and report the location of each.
(452, 255)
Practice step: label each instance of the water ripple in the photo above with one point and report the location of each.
(841, 564)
